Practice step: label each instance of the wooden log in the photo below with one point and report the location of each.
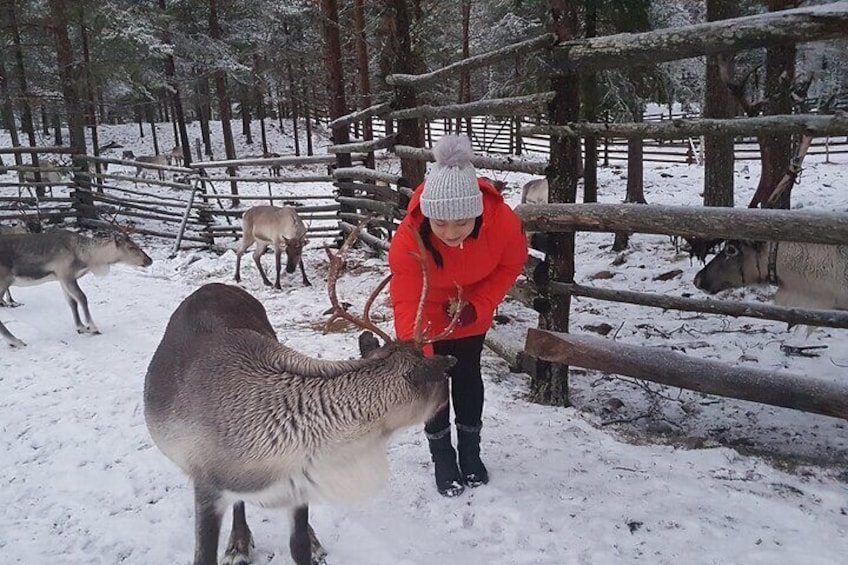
(792, 316)
(277, 180)
(537, 43)
(479, 161)
(360, 115)
(364, 146)
(50, 149)
(809, 124)
(374, 242)
(270, 161)
(529, 105)
(385, 208)
(772, 387)
(811, 23)
(275, 197)
(93, 223)
(383, 193)
(689, 221)
(363, 173)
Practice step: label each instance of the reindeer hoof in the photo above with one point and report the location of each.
(15, 342)
(90, 330)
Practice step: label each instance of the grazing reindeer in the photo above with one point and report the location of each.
(176, 156)
(151, 160)
(35, 258)
(807, 275)
(249, 419)
(277, 226)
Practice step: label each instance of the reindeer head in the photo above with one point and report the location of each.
(294, 252)
(423, 372)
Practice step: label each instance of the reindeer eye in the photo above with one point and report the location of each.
(731, 250)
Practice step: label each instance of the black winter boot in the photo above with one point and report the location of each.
(474, 473)
(448, 479)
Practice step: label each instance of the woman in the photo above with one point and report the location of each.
(473, 239)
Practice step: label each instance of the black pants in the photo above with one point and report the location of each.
(466, 383)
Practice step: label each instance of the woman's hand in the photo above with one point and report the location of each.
(467, 316)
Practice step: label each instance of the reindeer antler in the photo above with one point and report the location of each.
(336, 262)
(419, 333)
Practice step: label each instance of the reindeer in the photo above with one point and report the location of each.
(249, 419)
(277, 226)
(49, 173)
(18, 227)
(535, 192)
(175, 156)
(151, 160)
(35, 258)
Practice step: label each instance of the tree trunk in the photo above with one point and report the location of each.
(400, 59)
(776, 149)
(465, 75)
(9, 113)
(364, 82)
(590, 96)
(295, 107)
(68, 74)
(718, 103)
(176, 98)
(550, 383)
(246, 102)
(259, 94)
(27, 124)
(224, 103)
(91, 113)
(204, 113)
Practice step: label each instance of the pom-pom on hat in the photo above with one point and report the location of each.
(451, 191)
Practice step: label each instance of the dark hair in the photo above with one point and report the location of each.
(426, 231)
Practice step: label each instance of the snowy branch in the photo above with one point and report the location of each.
(815, 125)
(814, 23)
(526, 105)
(535, 44)
(479, 161)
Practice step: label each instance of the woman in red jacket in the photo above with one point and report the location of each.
(473, 239)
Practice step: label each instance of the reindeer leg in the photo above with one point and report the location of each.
(260, 249)
(241, 540)
(246, 241)
(303, 272)
(75, 297)
(303, 544)
(207, 525)
(10, 339)
(278, 253)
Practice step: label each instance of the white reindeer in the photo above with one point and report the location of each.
(535, 192)
(249, 419)
(50, 175)
(35, 258)
(273, 226)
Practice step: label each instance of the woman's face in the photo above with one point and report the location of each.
(452, 232)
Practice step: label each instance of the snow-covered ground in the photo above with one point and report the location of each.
(633, 472)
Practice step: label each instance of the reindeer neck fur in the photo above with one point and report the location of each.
(98, 254)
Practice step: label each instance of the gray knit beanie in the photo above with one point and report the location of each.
(451, 191)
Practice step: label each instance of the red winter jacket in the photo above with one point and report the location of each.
(485, 267)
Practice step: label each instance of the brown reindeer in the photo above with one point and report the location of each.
(249, 419)
(273, 226)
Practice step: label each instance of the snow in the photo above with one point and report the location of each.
(681, 477)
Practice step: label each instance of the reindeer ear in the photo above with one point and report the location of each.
(432, 369)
